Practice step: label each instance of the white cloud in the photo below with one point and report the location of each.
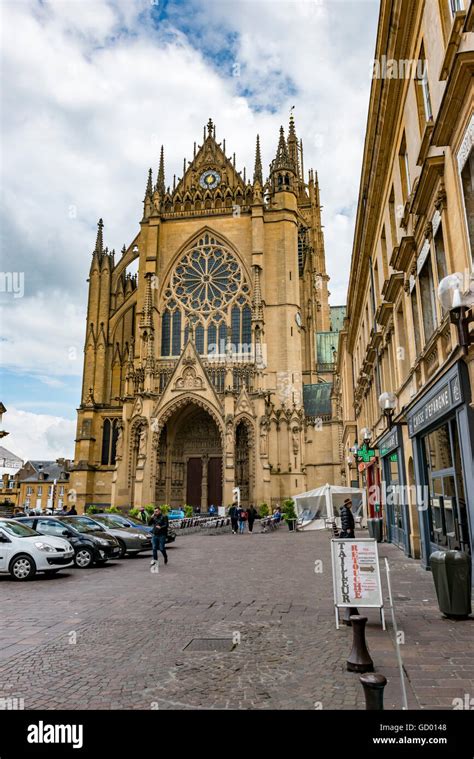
(39, 436)
(92, 88)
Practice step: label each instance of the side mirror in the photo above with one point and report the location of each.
(65, 532)
(3, 538)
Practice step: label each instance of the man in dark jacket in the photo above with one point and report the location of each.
(234, 517)
(347, 520)
(251, 516)
(159, 522)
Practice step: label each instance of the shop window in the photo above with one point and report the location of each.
(428, 303)
(467, 179)
(447, 505)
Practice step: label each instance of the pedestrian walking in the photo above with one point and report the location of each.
(72, 511)
(234, 518)
(160, 523)
(251, 516)
(347, 520)
(141, 514)
(242, 520)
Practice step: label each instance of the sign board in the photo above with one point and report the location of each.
(356, 575)
(444, 398)
(366, 454)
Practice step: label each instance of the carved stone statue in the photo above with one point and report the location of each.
(229, 435)
(295, 439)
(143, 442)
(119, 445)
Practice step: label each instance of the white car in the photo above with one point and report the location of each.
(23, 551)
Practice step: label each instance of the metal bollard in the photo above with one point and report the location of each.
(373, 685)
(349, 611)
(359, 658)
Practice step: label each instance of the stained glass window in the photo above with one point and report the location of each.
(209, 286)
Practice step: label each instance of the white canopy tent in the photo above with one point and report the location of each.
(315, 507)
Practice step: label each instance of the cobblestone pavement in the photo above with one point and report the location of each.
(121, 636)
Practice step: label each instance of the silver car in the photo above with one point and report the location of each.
(130, 541)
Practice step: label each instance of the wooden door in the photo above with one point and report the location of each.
(194, 482)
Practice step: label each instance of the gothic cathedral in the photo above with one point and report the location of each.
(206, 369)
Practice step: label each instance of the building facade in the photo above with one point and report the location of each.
(201, 370)
(415, 226)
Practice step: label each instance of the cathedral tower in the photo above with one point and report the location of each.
(200, 371)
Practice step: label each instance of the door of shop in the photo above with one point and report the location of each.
(394, 502)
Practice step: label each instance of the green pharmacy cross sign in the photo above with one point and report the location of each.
(365, 454)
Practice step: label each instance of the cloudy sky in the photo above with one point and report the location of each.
(91, 89)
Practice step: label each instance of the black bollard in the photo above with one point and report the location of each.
(373, 685)
(349, 611)
(359, 658)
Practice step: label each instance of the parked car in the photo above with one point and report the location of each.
(137, 524)
(130, 540)
(90, 547)
(24, 552)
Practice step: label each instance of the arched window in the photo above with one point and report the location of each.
(199, 339)
(247, 329)
(176, 344)
(207, 286)
(166, 333)
(110, 434)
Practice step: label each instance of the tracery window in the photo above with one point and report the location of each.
(110, 434)
(208, 289)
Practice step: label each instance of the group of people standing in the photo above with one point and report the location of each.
(240, 516)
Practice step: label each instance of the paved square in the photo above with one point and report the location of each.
(124, 637)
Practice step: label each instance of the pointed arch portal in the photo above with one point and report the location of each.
(189, 460)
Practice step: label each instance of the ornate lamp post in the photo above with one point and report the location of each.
(388, 404)
(460, 306)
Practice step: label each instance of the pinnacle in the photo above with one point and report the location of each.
(99, 242)
(257, 172)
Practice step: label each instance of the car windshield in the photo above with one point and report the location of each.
(82, 524)
(18, 530)
(109, 521)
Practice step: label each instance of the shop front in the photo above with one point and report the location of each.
(441, 426)
(393, 493)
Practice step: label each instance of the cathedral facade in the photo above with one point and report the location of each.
(201, 370)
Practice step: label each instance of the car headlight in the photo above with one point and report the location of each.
(103, 542)
(141, 536)
(44, 547)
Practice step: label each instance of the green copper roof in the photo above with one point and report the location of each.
(325, 342)
(338, 314)
(317, 399)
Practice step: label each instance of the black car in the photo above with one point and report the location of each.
(91, 546)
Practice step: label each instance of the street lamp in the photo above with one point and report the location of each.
(459, 304)
(388, 404)
(366, 433)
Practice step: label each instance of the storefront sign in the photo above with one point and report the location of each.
(445, 397)
(389, 442)
(356, 575)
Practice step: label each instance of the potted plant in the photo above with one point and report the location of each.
(112, 510)
(164, 509)
(188, 510)
(91, 510)
(263, 510)
(289, 513)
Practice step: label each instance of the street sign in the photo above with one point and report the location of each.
(356, 575)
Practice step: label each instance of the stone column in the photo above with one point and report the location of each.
(205, 462)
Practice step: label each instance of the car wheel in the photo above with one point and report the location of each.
(83, 558)
(123, 549)
(22, 567)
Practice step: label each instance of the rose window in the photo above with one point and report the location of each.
(207, 288)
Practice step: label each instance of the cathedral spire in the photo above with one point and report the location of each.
(160, 180)
(149, 185)
(293, 144)
(99, 242)
(282, 159)
(257, 172)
